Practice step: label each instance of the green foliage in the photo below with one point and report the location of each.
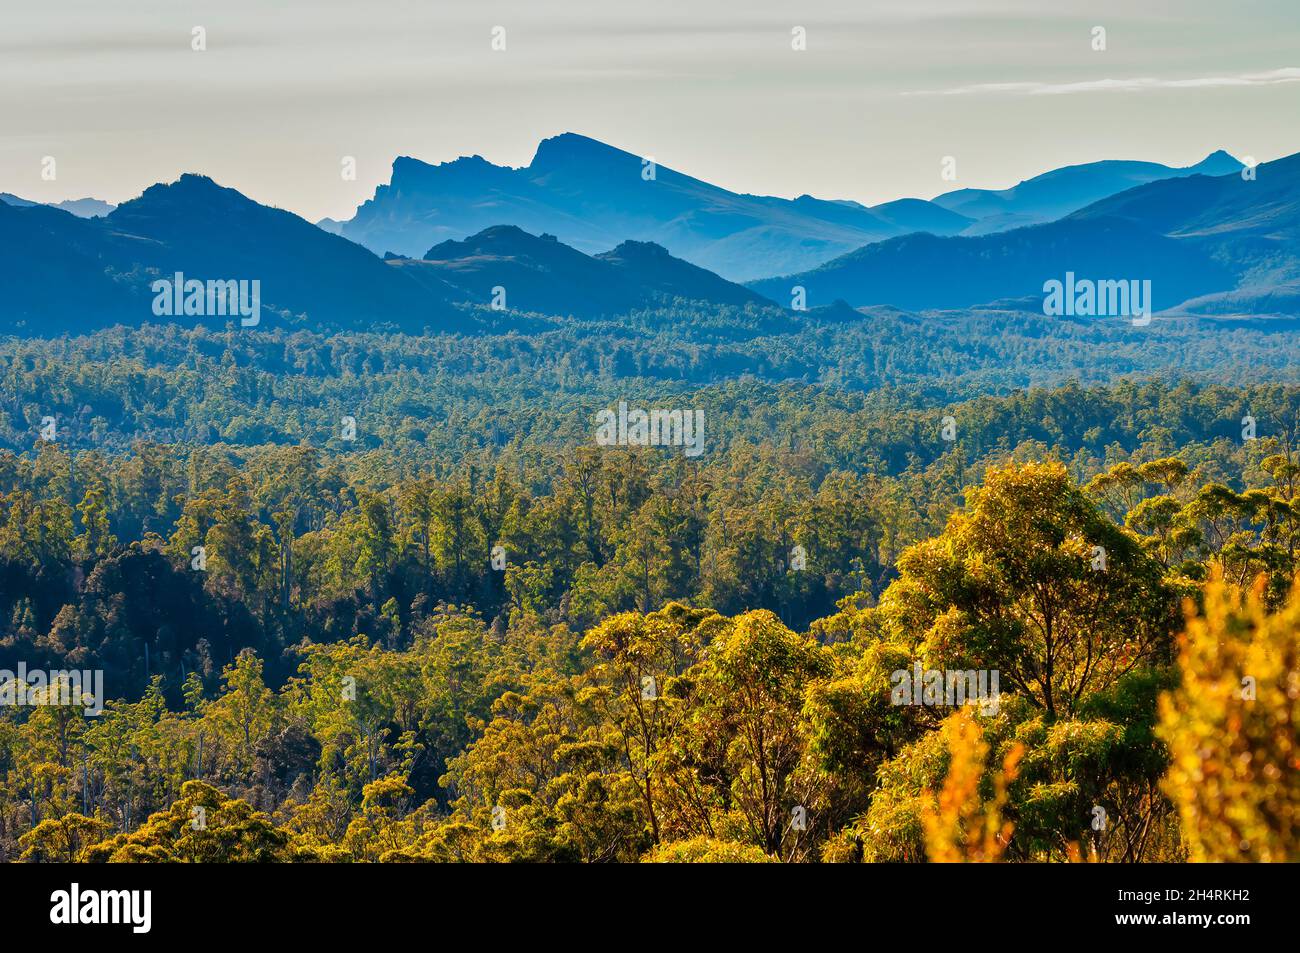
(305, 638)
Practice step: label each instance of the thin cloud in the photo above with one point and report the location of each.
(1275, 77)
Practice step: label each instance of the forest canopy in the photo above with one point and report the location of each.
(464, 631)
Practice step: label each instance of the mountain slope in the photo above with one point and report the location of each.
(1202, 207)
(592, 196)
(922, 272)
(652, 268)
(60, 273)
(1055, 194)
(542, 274)
(1221, 244)
(91, 272)
(1250, 224)
(213, 232)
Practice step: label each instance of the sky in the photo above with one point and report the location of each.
(882, 93)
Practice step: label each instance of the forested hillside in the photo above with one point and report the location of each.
(367, 597)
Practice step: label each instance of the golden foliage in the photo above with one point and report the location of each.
(1233, 727)
(962, 827)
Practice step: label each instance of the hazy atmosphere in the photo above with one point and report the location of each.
(867, 111)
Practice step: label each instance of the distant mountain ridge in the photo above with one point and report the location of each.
(1209, 244)
(72, 274)
(82, 208)
(61, 273)
(542, 274)
(1055, 194)
(593, 196)
(1218, 245)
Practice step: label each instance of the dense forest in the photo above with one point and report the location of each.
(382, 598)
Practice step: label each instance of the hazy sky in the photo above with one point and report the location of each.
(712, 88)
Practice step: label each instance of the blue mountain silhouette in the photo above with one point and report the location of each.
(1221, 244)
(1055, 194)
(593, 196)
(62, 273)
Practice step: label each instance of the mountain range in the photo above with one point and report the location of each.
(592, 196)
(1211, 244)
(1208, 244)
(540, 273)
(82, 208)
(61, 273)
(1055, 194)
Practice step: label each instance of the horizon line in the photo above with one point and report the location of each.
(437, 164)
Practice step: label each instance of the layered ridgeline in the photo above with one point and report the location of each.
(592, 195)
(1216, 245)
(82, 208)
(585, 231)
(1055, 194)
(507, 267)
(62, 273)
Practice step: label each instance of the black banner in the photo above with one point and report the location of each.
(144, 904)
